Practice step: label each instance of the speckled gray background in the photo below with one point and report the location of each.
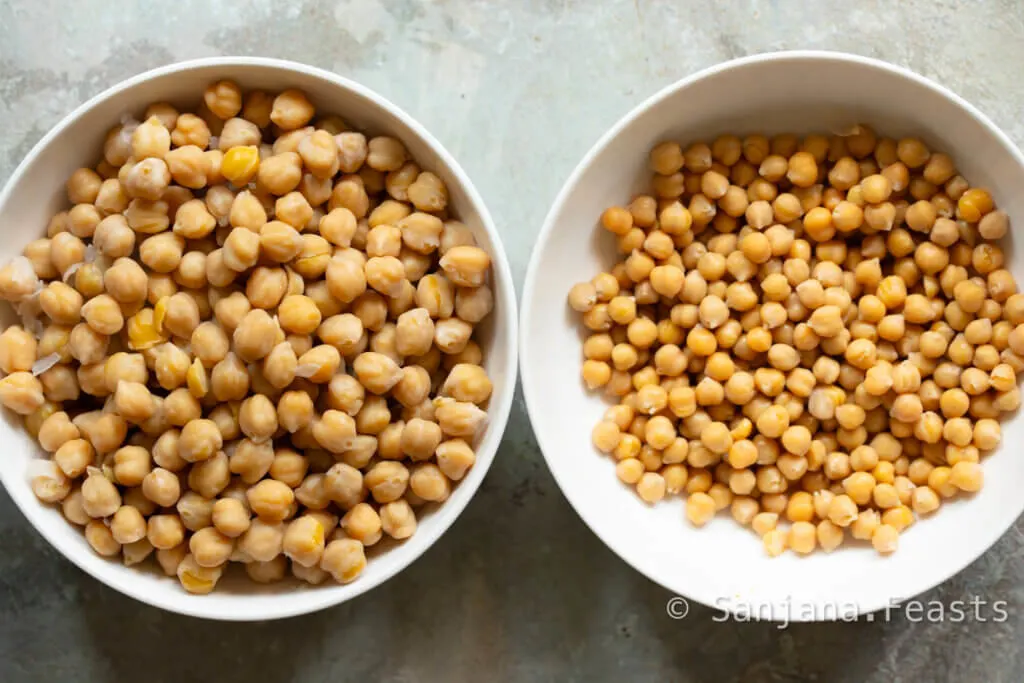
(519, 589)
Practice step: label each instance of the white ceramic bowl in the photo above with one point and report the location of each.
(724, 565)
(36, 191)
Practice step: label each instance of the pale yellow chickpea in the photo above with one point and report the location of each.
(293, 209)
(362, 523)
(101, 539)
(49, 482)
(346, 276)
(199, 440)
(397, 182)
(127, 525)
(280, 174)
(150, 139)
(318, 364)
(466, 266)
(61, 303)
(295, 410)
(452, 334)
(111, 198)
(377, 372)
(319, 153)
(83, 186)
(280, 364)
(291, 109)
(334, 431)
(223, 99)
(100, 498)
(18, 278)
(211, 476)
(17, 350)
(255, 336)
(428, 193)
(228, 379)
(344, 559)
(386, 274)
(383, 240)
(421, 232)
(385, 154)
(190, 129)
(21, 392)
(263, 540)
(126, 281)
(170, 559)
(230, 517)
(257, 418)
(148, 179)
(455, 457)
(210, 548)
(161, 486)
(343, 484)
(38, 254)
(57, 430)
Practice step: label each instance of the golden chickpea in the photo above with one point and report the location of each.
(974, 204)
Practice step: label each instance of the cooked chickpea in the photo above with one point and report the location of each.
(238, 308)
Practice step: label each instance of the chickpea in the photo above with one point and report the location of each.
(263, 540)
(387, 481)
(255, 335)
(100, 498)
(343, 559)
(150, 139)
(210, 548)
(49, 482)
(21, 392)
(230, 517)
(363, 524)
(334, 431)
(291, 110)
(18, 349)
(200, 440)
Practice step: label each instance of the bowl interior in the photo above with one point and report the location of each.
(724, 565)
(36, 192)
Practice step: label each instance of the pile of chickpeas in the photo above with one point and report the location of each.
(819, 334)
(249, 340)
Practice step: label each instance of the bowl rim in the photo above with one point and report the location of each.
(280, 606)
(532, 393)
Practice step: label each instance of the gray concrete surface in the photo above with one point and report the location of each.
(519, 590)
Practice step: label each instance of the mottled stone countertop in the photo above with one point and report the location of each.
(517, 90)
